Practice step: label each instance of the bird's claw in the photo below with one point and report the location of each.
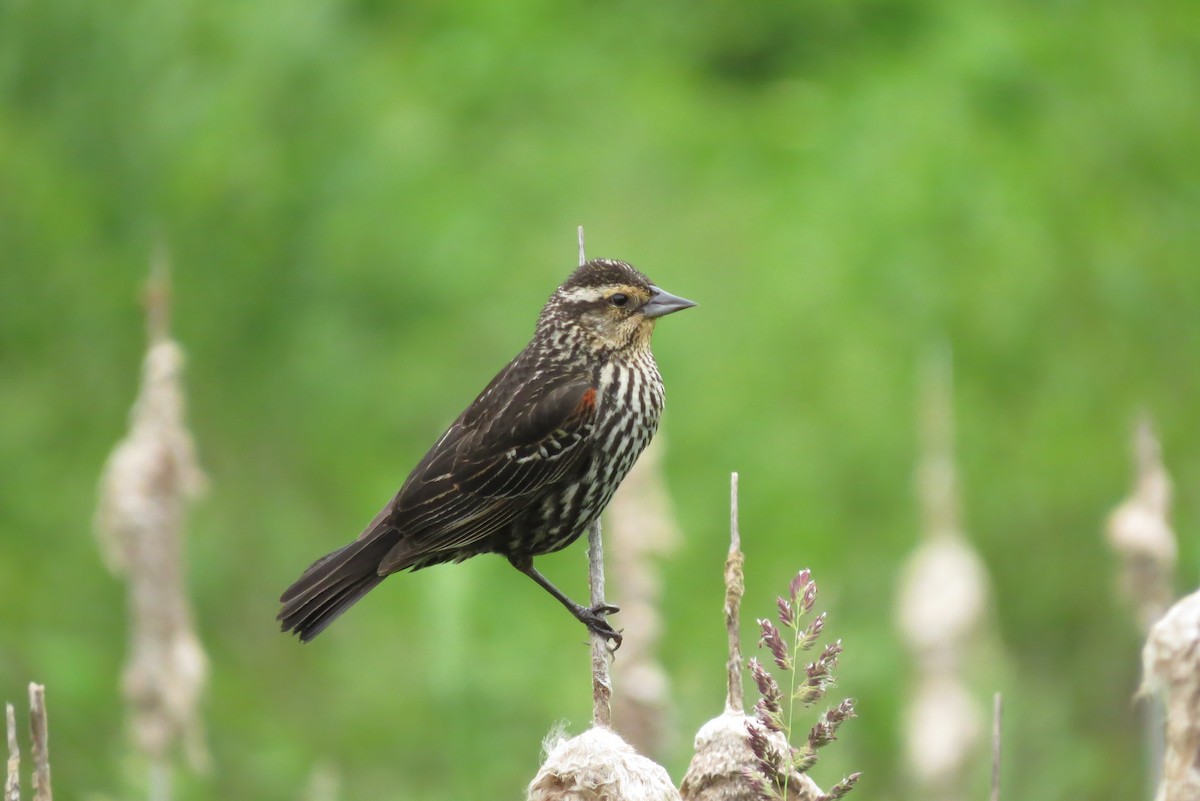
(594, 619)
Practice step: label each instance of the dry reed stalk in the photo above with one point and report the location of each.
(147, 481)
(1140, 534)
(723, 762)
(12, 782)
(601, 679)
(717, 771)
(1139, 531)
(641, 527)
(941, 605)
(39, 733)
(1171, 667)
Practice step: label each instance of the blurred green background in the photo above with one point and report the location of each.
(366, 204)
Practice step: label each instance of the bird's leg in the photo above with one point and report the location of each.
(592, 617)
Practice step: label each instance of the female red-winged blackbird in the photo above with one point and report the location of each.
(532, 461)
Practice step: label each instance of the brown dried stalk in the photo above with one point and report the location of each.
(39, 731)
(12, 783)
(735, 588)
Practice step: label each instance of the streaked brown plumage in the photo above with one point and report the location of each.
(532, 461)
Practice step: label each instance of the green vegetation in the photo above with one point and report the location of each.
(366, 204)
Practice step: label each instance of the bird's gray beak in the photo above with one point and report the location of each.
(663, 302)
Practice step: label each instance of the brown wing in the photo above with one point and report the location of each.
(522, 434)
(533, 444)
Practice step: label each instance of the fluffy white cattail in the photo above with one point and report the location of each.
(941, 606)
(718, 769)
(1171, 666)
(148, 479)
(1139, 531)
(599, 766)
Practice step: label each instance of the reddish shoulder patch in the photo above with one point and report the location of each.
(587, 402)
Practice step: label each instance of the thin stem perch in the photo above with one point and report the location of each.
(601, 680)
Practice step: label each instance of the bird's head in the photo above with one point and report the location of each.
(613, 305)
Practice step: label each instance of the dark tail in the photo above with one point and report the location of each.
(331, 586)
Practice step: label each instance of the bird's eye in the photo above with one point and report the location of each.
(618, 299)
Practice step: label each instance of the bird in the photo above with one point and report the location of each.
(532, 461)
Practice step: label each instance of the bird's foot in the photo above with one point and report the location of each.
(595, 619)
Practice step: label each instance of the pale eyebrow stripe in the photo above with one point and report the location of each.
(582, 293)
